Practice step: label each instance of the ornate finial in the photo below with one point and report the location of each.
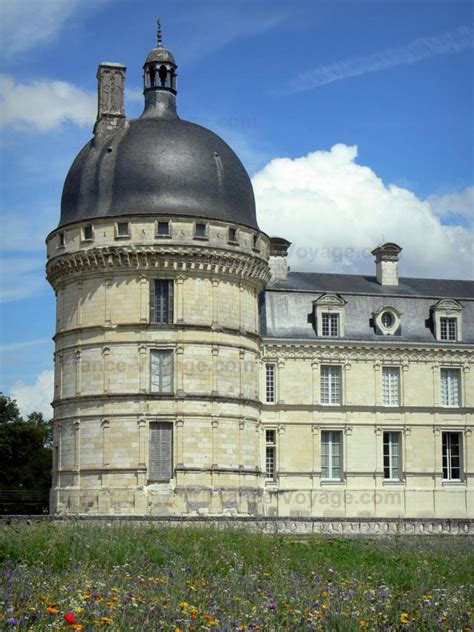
(159, 35)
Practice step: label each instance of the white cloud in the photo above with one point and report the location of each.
(35, 397)
(422, 48)
(336, 211)
(25, 24)
(44, 104)
(21, 277)
(460, 203)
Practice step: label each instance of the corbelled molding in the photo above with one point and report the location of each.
(344, 353)
(172, 258)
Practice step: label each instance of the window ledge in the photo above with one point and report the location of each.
(162, 236)
(201, 237)
(330, 481)
(233, 243)
(86, 241)
(393, 481)
(453, 483)
(122, 236)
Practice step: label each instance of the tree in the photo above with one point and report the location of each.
(26, 458)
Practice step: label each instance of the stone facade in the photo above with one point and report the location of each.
(196, 376)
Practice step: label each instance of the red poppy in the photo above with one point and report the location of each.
(70, 618)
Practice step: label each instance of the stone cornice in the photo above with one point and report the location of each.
(166, 258)
(345, 352)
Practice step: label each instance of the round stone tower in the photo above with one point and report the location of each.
(157, 265)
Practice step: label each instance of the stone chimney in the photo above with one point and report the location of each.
(110, 97)
(278, 258)
(386, 263)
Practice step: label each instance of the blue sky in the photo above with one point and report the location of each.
(353, 118)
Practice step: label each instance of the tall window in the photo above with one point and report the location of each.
(161, 371)
(331, 454)
(391, 386)
(391, 455)
(330, 384)
(330, 325)
(270, 383)
(161, 301)
(452, 456)
(160, 466)
(450, 387)
(270, 454)
(448, 328)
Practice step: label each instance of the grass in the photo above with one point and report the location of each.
(136, 577)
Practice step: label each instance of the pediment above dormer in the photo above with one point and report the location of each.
(330, 299)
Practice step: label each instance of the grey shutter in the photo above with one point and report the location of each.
(155, 371)
(152, 302)
(160, 467)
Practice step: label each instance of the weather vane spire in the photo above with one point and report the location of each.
(159, 34)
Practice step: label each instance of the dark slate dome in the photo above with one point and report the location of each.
(157, 164)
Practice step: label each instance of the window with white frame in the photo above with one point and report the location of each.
(331, 384)
(450, 387)
(452, 456)
(87, 233)
(160, 464)
(448, 328)
(330, 324)
(161, 301)
(270, 454)
(161, 371)
(391, 455)
(163, 229)
(270, 383)
(391, 386)
(331, 454)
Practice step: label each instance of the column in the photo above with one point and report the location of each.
(141, 423)
(215, 302)
(279, 382)
(142, 369)
(77, 451)
(345, 398)
(378, 384)
(107, 301)
(180, 371)
(179, 298)
(214, 434)
(79, 304)
(179, 442)
(105, 362)
(144, 299)
(215, 370)
(436, 385)
(316, 379)
(78, 372)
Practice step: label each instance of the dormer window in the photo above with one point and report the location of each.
(328, 312)
(447, 320)
(61, 240)
(255, 245)
(387, 321)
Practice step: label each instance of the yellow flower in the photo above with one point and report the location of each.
(78, 610)
(183, 604)
(363, 623)
(106, 619)
(404, 618)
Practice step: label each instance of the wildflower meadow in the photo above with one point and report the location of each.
(86, 576)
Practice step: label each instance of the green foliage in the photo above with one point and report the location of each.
(26, 458)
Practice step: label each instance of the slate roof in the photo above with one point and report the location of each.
(286, 306)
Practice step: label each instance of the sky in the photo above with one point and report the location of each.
(353, 118)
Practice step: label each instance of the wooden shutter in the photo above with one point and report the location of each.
(160, 466)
